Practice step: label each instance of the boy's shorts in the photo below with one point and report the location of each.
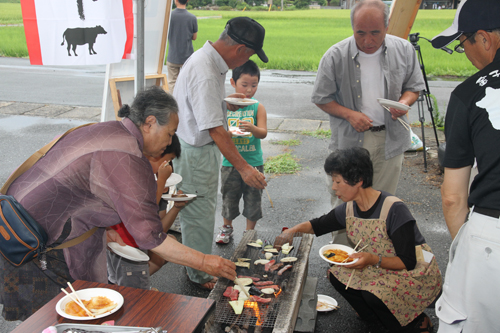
(128, 273)
(233, 188)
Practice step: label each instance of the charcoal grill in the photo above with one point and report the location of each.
(281, 313)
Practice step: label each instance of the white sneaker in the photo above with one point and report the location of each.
(225, 235)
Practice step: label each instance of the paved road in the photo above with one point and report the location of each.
(30, 117)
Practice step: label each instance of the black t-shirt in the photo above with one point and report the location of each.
(472, 130)
(401, 226)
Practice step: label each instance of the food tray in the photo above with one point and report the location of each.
(99, 328)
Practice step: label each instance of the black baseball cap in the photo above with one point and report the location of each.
(248, 32)
(471, 16)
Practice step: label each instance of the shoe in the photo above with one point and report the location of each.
(225, 235)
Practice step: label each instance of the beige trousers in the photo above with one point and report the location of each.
(172, 74)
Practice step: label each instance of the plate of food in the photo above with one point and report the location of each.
(100, 301)
(387, 103)
(235, 130)
(178, 197)
(174, 179)
(337, 254)
(326, 303)
(240, 101)
(128, 252)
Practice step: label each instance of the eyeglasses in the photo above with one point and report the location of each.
(460, 47)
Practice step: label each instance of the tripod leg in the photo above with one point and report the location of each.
(422, 120)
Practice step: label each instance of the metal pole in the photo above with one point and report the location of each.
(139, 61)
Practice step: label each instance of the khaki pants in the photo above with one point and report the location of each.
(172, 74)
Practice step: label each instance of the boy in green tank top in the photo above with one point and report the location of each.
(247, 126)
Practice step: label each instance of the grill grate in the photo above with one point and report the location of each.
(269, 312)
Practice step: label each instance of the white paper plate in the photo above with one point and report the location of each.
(237, 132)
(188, 197)
(128, 252)
(328, 300)
(87, 294)
(240, 101)
(393, 104)
(174, 179)
(347, 249)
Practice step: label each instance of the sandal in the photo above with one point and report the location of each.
(209, 285)
(424, 325)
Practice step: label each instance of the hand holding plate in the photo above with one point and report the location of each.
(233, 107)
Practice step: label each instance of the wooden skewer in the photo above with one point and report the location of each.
(77, 301)
(81, 303)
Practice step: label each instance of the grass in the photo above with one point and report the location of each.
(320, 133)
(288, 143)
(281, 164)
(295, 40)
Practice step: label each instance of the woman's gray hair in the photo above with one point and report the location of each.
(153, 101)
(378, 4)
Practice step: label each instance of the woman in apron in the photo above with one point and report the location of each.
(396, 276)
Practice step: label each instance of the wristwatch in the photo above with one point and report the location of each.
(377, 265)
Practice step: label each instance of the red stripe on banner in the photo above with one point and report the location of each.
(31, 31)
(129, 26)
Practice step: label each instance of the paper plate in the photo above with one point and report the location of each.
(237, 132)
(240, 101)
(87, 294)
(393, 104)
(174, 179)
(188, 197)
(327, 300)
(128, 252)
(345, 248)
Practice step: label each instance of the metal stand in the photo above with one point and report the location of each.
(424, 94)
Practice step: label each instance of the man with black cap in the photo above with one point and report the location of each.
(200, 93)
(471, 291)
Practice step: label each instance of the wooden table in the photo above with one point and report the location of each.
(141, 308)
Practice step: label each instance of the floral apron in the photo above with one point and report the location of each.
(405, 293)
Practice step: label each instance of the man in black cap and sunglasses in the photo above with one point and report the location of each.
(202, 130)
(471, 291)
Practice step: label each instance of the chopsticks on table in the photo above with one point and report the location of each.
(77, 299)
(328, 305)
(405, 125)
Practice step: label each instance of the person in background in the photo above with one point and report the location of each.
(351, 76)
(182, 31)
(136, 274)
(200, 92)
(471, 290)
(392, 281)
(98, 176)
(251, 119)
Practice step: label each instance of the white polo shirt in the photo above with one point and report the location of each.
(200, 92)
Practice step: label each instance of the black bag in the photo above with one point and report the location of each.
(22, 237)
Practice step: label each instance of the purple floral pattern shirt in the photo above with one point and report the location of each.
(98, 177)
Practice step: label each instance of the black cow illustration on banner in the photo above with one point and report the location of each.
(103, 30)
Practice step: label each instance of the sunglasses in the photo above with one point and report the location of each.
(460, 47)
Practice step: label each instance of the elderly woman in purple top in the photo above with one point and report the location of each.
(98, 176)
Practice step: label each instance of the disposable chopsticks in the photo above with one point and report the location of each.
(77, 299)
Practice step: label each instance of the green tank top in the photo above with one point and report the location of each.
(248, 146)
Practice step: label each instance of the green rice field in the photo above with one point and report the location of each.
(295, 40)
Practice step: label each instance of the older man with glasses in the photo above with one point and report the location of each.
(472, 128)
